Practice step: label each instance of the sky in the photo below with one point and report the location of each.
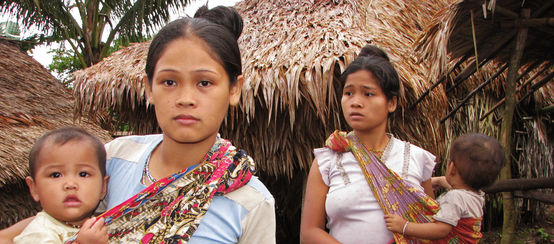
(41, 54)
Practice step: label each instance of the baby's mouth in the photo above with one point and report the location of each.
(71, 201)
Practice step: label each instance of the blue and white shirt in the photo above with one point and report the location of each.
(246, 215)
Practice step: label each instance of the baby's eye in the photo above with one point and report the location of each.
(368, 94)
(169, 82)
(84, 174)
(204, 83)
(55, 175)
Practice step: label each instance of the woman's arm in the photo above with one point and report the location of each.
(428, 188)
(312, 225)
(7, 235)
(430, 231)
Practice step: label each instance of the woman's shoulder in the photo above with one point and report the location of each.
(324, 154)
(251, 194)
(133, 144)
(399, 144)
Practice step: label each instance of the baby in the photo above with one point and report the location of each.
(68, 178)
(475, 161)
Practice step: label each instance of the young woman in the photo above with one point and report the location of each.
(188, 184)
(352, 177)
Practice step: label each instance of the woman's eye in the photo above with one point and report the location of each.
(169, 82)
(368, 94)
(204, 83)
(348, 93)
(55, 175)
(84, 174)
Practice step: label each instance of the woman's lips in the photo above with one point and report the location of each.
(186, 119)
(356, 115)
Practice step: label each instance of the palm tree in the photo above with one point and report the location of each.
(82, 22)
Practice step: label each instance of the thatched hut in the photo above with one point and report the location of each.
(32, 102)
(473, 43)
(293, 53)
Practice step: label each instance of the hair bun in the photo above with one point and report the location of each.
(370, 50)
(225, 16)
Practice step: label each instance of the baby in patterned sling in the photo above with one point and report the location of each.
(475, 161)
(68, 178)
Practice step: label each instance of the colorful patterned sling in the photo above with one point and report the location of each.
(395, 196)
(467, 231)
(170, 210)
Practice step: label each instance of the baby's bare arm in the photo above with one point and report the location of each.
(430, 231)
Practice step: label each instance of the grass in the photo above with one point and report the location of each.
(535, 233)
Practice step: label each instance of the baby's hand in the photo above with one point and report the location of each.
(439, 182)
(395, 223)
(93, 231)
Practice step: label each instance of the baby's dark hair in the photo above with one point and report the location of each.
(376, 61)
(62, 136)
(478, 159)
(219, 28)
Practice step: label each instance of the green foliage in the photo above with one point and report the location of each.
(65, 61)
(83, 24)
(544, 235)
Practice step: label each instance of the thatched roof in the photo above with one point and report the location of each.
(478, 93)
(32, 102)
(292, 52)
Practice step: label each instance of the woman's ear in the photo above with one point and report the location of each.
(32, 188)
(235, 91)
(392, 103)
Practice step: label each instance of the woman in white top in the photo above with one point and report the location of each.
(337, 190)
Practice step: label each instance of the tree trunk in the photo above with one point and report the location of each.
(509, 222)
(520, 184)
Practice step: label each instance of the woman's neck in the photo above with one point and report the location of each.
(171, 156)
(373, 140)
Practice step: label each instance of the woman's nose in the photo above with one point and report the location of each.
(356, 103)
(186, 98)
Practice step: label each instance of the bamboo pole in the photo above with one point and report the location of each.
(519, 89)
(508, 225)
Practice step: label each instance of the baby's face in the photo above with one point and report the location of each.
(68, 182)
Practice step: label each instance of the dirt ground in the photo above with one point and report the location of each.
(536, 233)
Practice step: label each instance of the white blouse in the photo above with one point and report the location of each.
(353, 213)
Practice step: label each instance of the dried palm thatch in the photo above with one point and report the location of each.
(32, 103)
(491, 26)
(449, 42)
(293, 52)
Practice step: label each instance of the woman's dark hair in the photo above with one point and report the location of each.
(219, 28)
(60, 137)
(478, 158)
(376, 61)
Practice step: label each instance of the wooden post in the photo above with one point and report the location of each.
(509, 222)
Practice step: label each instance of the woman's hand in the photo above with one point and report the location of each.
(7, 234)
(93, 231)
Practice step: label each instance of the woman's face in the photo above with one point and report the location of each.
(364, 104)
(190, 91)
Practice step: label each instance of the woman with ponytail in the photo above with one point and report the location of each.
(189, 185)
(360, 176)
